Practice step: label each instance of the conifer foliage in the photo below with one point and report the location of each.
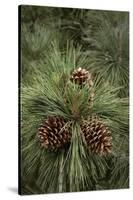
(74, 100)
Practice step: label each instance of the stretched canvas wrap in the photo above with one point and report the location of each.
(74, 89)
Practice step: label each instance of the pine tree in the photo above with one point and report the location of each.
(74, 129)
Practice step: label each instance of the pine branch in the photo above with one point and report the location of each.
(61, 173)
(109, 58)
(47, 91)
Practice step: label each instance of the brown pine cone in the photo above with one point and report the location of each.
(81, 76)
(97, 136)
(53, 134)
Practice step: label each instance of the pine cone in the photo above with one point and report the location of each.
(53, 134)
(97, 136)
(81, 77)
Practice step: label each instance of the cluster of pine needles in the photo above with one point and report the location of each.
(54, 43)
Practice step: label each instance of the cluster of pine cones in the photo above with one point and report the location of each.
(53, 133)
